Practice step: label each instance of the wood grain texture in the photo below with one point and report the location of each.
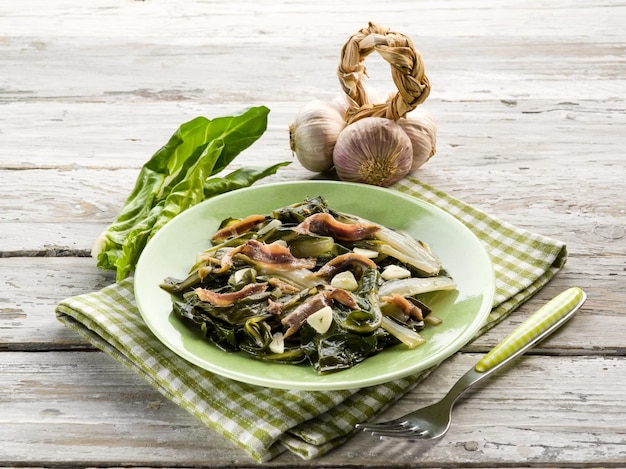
(96, 404)
(529, 100)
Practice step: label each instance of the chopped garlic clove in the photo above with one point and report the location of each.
(277, 345)
(394, 272)
(321, 319)
(345, 280)
(369, 253)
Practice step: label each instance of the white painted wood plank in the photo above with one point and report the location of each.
(64, 211)
(536, 164)
(178, 51)
(84, 407)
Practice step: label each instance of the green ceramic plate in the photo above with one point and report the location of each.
(173, 249)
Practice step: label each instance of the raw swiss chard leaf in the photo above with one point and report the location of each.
(190, 190)
(178, 177)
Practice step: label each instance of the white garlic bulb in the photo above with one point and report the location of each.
(373, 150)
(313, 134)
(421, 128)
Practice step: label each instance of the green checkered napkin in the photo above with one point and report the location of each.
(265, 422)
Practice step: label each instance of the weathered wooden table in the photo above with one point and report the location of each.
(529, 98)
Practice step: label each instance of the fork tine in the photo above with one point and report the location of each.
(382, 426)
(396, 428)
(409, 433)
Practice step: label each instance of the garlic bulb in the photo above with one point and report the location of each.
(313, 134)
(373, 150)
(421, 128)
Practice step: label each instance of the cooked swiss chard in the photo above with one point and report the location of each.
(308, 284)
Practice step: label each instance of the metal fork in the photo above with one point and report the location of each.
(433, 421)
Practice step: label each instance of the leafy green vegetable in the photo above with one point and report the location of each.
(178, 176)
(297, 267)
(368, 317)
(238, 179)
(341, 350)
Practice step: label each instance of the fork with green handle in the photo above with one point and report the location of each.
(432, 422)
